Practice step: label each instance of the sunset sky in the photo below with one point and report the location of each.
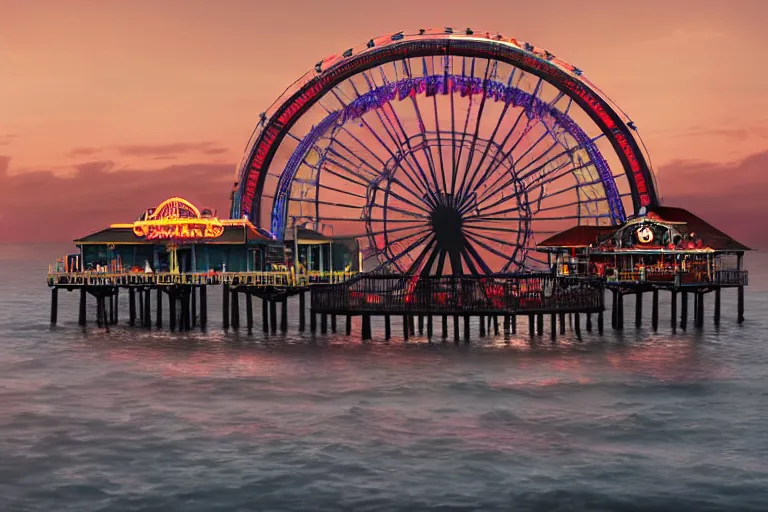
(108, 107)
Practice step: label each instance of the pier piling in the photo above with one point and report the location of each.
(225, 307)
(131, 306)
(193, 305)
(740, 306)
(185, 311)
(273, 317)
(54, 305)
(387, 328)
(700, 310)
(553, 326)
(684, 310)
(284, 316)
(159, 308)
(366, 326)
(695, 309)
(621, 311)
(673, 310)
(717, 306)
(655, 310)
(147, 309)
(235, 308)
(265, 316)
(638, 309)
(456, 336)
(142, 322)
(172, 309)
(577, 325)
(302, 310)
(249, 312)
(203, 307)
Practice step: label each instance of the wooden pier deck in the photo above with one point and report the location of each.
(488, 298)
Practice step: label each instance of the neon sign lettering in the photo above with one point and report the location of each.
(179, 231)
(177, 219)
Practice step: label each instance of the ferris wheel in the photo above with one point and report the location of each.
(443, 153)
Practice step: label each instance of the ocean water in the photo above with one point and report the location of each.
(139, 419)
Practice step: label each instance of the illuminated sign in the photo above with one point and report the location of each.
(177, 219)
(644, 235)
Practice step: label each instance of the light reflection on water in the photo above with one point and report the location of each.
(137, 419)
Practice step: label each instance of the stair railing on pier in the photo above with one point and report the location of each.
(527, 293)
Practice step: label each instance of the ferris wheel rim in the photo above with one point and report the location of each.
(566, 78)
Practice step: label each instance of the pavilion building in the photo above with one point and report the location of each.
(665, 245)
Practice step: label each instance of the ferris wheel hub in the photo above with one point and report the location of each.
(446, 222)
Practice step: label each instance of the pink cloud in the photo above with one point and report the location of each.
(41, 206)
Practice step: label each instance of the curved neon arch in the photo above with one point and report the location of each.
(304, 93)
(400, 90)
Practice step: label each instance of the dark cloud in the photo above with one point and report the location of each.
(7, 138)
(83, 151)
(154, 151)
(735, 133)
(42, 206)
(731, 196)
(206, 147)
(87, 169)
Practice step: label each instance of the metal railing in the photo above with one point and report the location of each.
(510, 294)
(130, 279)
(669, 276)
(732, 277)
(278, 279)
(315, 276)
(273, 278)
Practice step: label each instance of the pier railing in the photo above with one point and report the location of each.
(130, 279)
(510, 294)
(732, 277)
(670, 277)
(277, 279)
(271, 278)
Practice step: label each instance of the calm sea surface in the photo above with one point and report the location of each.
(148, 420)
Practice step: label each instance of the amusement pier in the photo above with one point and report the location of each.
(433, 176)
